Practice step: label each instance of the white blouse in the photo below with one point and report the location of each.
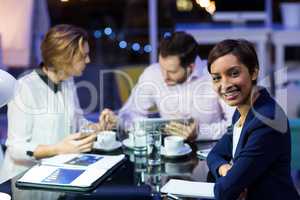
(236, 136)
(38, 115)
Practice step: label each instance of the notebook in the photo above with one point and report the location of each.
(70, 172)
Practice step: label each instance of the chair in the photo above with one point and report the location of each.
(126, 78)
(295, 137)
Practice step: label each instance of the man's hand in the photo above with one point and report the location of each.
(107, 120)
(95, 127)
(188, 131)
(223, 169)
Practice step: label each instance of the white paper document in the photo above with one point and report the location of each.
(189, 189)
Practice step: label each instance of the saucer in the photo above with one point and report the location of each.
(185, 150)
(115, 146)
(127, 143)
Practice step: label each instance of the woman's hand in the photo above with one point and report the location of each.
(187, 131)
(223, 169)
(243, 195)
(76, 143)
(108, 120)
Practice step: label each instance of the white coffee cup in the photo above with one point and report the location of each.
(106, 138)
(173, 144)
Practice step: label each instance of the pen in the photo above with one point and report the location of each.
(172, 196)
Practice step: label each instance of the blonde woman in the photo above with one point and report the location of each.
(44, 117)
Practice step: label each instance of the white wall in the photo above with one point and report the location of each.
(15, 30)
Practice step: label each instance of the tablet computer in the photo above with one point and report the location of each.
(158, 124)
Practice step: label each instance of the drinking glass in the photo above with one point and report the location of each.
(153, 147)
(140, 140)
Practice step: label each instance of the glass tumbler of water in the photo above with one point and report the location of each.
(140, 139)
(153, 147)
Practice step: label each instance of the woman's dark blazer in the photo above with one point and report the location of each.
(261, 163)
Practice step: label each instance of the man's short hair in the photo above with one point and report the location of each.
(179, 44)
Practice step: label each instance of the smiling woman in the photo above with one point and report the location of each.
(234, 71)
(252, 160)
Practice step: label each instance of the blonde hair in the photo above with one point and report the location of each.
(61, 45)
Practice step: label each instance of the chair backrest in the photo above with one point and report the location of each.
(295, 136)
(126, 78)
(286, 93)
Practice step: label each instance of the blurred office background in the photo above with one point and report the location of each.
(124, 35)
